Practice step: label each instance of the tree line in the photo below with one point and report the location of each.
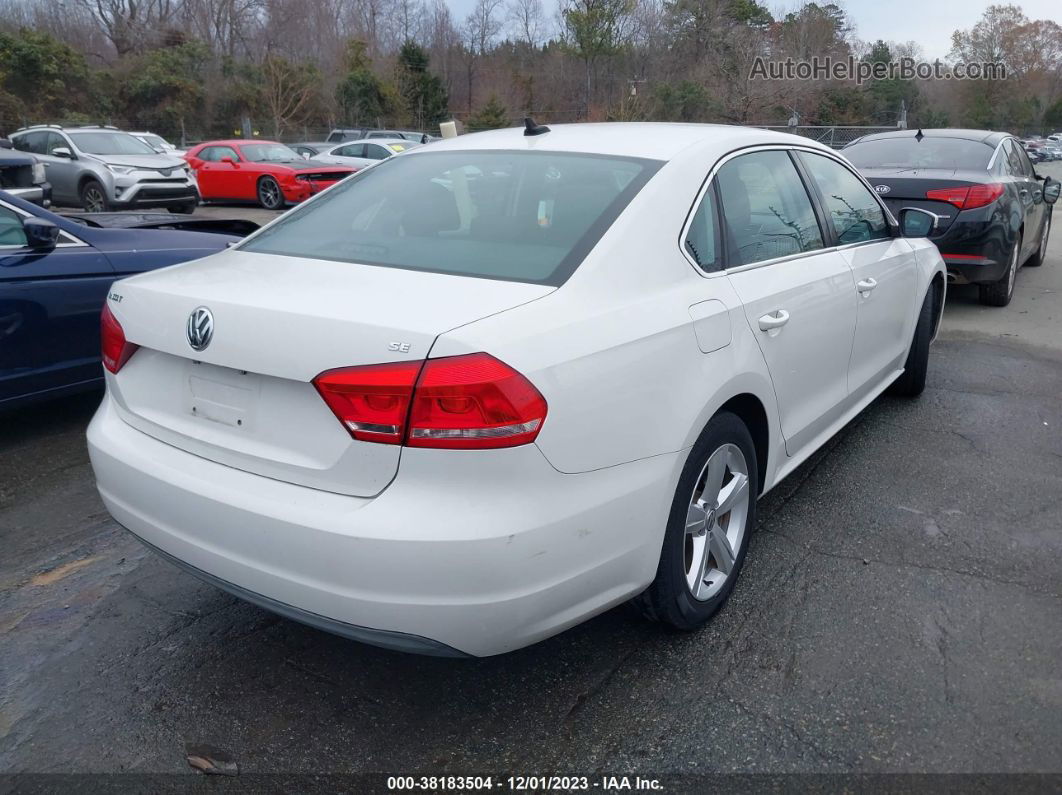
(192, 69)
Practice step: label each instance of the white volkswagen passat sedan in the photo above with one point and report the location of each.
(481, 392)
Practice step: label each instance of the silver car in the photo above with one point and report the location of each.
(103, 168)
(361, 154)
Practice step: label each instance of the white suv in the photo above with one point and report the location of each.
(478, 393)
(102, 168)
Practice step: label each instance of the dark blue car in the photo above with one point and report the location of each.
(54, 276)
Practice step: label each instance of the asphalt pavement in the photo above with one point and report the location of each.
(900, 611)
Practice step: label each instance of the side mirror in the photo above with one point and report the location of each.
(62, 151)
(916, 222)
(40, 234)
(1052, 187)
(6, 144)
(228, 160)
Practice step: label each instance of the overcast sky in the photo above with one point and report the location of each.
(931, 23)
(928, 22)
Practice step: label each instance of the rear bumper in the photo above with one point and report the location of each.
(476, 553)
(973, 269)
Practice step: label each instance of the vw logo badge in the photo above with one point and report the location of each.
(882, 188)
(200, 328)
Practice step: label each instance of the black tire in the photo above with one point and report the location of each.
(913, 380)
(669, 599)
(94, 197)
(1037, 259)
(999, 293)
(269, 194)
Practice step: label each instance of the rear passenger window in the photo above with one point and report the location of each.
(32, 142)
(766, 209)
(701, 237)
(854, 212)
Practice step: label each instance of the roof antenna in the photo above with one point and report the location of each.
(918, 135)
(530, 128)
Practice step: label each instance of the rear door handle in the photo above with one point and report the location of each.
(866, 285)
(775, 320)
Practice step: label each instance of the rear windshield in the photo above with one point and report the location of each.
(910, 153)
(517, 216)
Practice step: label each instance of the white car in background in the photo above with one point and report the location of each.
(472, 396)
(364, 153)
(158, 143)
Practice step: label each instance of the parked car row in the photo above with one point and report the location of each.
(992, 210)
(478, 312)
(1043, 150)
(102, 168)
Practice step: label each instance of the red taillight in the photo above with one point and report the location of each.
(474, 401)
(967, 197)
(113, 346)
(372, 401)
(463, 402)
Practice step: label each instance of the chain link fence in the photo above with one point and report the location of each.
(833, 136)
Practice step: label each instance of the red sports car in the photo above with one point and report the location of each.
(266, 172)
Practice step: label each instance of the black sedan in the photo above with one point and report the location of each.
(994, 210)
(54, 276)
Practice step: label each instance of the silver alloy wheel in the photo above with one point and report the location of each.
(93, 200)
(716, 521)
(269, 193)
(1013, 276)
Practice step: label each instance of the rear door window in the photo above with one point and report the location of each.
(853, 210)
(517, 216)
(32, 142)
(766, 209)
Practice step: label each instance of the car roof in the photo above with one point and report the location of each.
(382, 141)
(650, 140)
(239, 142)
(988, 137)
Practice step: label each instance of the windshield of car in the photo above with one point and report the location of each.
(909, 153)
(268, 153)
(517, 216)
(154, 140)
(110, 143)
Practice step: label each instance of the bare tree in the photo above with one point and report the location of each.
(132, 25)
(482, 27)
(290, 91)
(527, 21)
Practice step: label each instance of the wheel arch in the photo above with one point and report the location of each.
(751, 411)
(938, 286)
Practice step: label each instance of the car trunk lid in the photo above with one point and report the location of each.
(902, 188)
(246, 400)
